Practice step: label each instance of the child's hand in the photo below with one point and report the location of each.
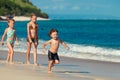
(30, 41)
(2, 43)
(44, 51)
(18, 44)
(36, 43)
(67, 48)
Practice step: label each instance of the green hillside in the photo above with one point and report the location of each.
(19, 8)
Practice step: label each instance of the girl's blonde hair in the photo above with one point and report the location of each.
(32, 14)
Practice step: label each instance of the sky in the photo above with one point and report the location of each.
(80, 9)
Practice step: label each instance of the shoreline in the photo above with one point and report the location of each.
(22, 18)
(69, 68)
(95, 60)
(67, 57)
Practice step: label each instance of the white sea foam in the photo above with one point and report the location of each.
(76, 51)
(92, 52)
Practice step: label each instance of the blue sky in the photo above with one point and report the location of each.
(81, 9)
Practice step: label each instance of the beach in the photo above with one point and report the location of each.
(94, 51)
(68, 69)
(91, 30)
(23, 18)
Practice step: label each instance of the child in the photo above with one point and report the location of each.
(54, 45)
(32, 38)
(11, 37)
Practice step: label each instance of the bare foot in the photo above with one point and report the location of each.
(36, 64)
(28, 63)
(7, 61)
(11, 62)
(49, 71)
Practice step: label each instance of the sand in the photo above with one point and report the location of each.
(24, 18)
(68, 69)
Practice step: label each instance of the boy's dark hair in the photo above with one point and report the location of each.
(52, 30)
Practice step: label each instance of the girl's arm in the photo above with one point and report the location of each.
(44, 45)
(16, 39)
(28, 31)
(64, 44)
(2, 40)
(37, 34)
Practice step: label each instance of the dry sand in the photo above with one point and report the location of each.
(23, 18)
(68, 69)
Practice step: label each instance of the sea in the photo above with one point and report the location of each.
(87, 39)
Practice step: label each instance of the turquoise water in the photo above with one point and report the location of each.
(88, 39)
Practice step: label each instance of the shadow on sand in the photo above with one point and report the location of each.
(71, 72)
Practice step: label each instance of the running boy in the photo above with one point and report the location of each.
(54, 45)
(11, 37)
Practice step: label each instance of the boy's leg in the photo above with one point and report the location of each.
(35, 53)
(56, 62)
(50, 66)
(28, 52)
(56, 59)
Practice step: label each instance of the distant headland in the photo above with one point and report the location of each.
(20, 10)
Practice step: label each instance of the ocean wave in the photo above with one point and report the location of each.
(76, 51)
(93, 52)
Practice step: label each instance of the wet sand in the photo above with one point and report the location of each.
(68, 69)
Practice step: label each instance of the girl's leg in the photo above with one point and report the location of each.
(35, 53)
(8, 56)
(28, 52)
(11, 52)
(50, 65)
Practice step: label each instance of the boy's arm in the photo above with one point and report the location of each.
(28, 31)
(44, 45)
(65, 45)
(2, 40)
